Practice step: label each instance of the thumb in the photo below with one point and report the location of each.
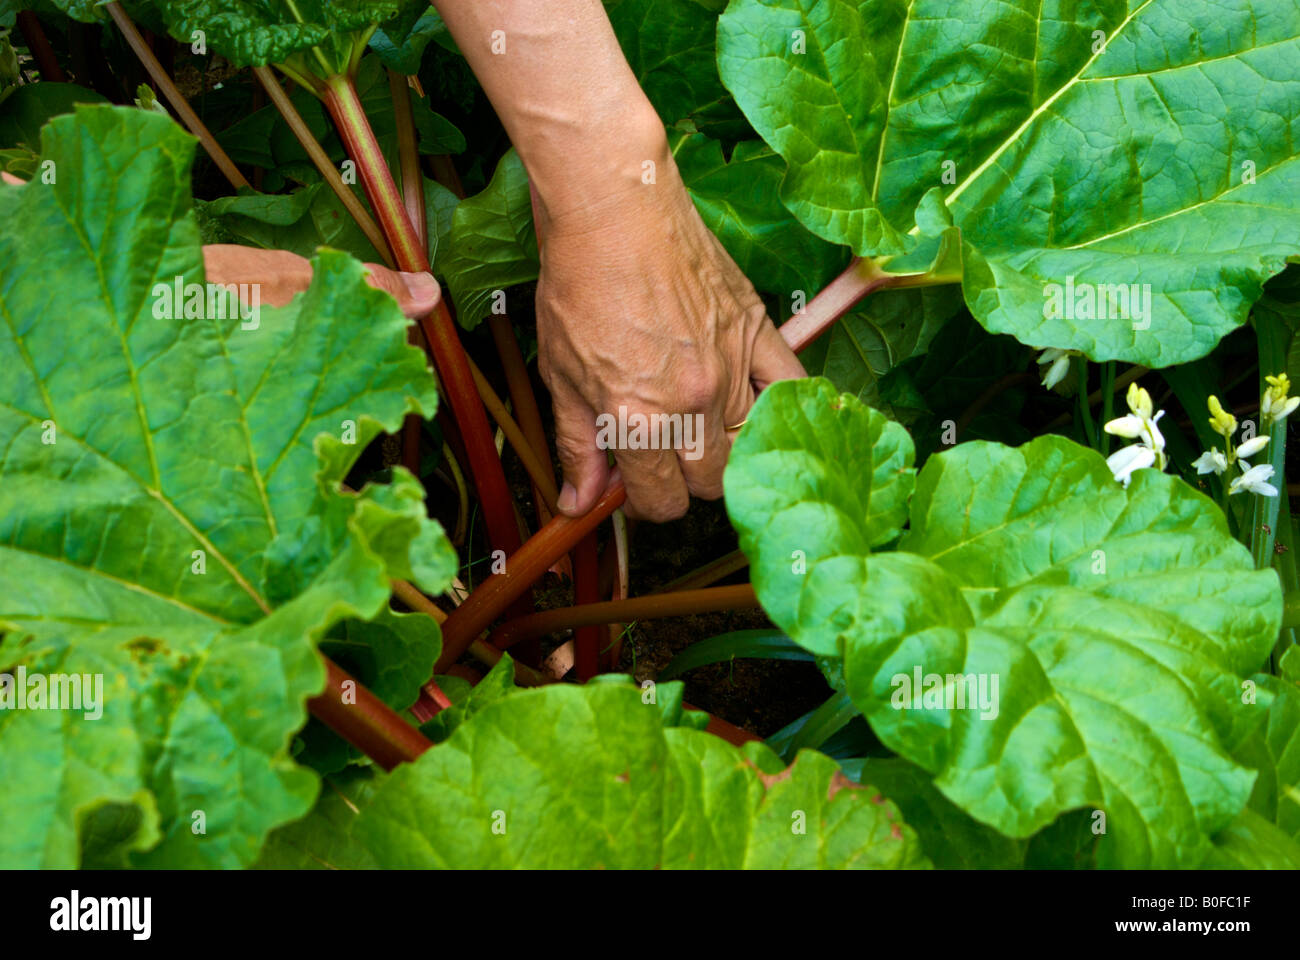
(416, 293)
(772, 359)
(585, 466)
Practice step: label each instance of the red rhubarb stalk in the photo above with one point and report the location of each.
(523, 568)
(344, 106)
(39, 45)
(365, 721)
(651, 607)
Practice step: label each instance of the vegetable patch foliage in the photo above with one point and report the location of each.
(1045, 570)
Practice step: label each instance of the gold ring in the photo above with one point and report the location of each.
(738, 425)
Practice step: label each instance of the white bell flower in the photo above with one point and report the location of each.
(1124, 461)
(1060, 365)
(1255, 480)
(1251, 447)
(1211, 461)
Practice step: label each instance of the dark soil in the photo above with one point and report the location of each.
(761, 696)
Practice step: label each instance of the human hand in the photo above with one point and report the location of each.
(640, 307)
(281, 274)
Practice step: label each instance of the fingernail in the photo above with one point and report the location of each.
(568, 498)
(422, 286)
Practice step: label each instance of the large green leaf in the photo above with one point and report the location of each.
(401, 41)
(323, 839)
(30, 107)
(301, 222)
(669, 44)
(566, 777)
(1273, 748)
(1117, 623)
(817, 478)
(320, 36)
(1067, 139)
(739, 200)
(171, 516)
(492, 244)
(1251, 842)
(951, 838)
(496, 685)
(879, 334)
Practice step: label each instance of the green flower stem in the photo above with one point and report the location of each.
(1291, 609)
(1085, 408)
(1264, 531)
(1285, 564)
(1274, 343)
(1107, 402)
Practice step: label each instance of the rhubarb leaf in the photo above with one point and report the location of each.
(32, 105)
(1252, 842)
(670, 46)
(821, 478)
(323, 839)
(498, 683)
(739, 200)
(1071, 149)
(252, 33)
(171, 516)
(300, 222)
(951, 838)
(1103, 632)
(492, 244)
(1273, 748)
(400, 42)
(884, 330)
(567, 777)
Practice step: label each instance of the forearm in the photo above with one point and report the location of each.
(562, 87)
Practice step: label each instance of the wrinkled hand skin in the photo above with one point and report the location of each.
(282, 274)
(639, 305)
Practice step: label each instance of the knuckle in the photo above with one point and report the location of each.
(664, 508)
(700, 386)
(709, 488)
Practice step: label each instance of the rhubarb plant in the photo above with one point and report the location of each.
(1022, 252)
(1096, 639)
(1064, 148)
(173, 516)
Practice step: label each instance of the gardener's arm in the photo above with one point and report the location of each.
(638, 305)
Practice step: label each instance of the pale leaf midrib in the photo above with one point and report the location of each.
(1035, 114)
(170, 507)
